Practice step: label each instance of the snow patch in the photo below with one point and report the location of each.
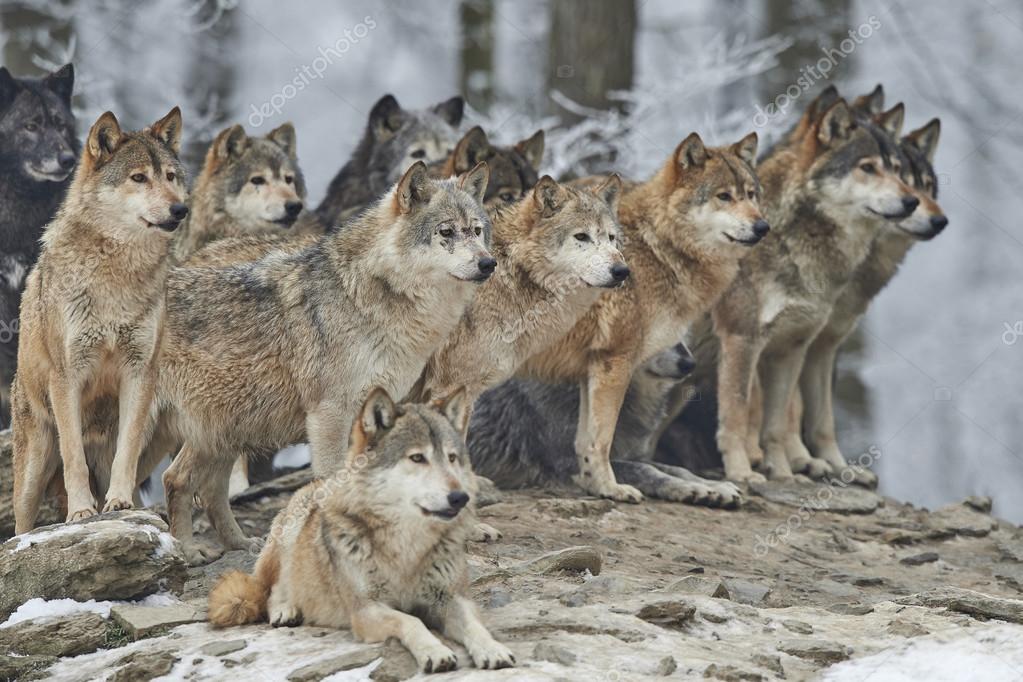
(293, 457)
(26, 540)
(52, 608)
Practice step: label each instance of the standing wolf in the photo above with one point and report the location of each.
(38, 150)
(381, 539)
(92, 320)
(263, 354)
(394, 139)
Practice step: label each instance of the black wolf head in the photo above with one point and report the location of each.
(37, 128)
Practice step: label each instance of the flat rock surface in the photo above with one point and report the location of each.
(834, 498)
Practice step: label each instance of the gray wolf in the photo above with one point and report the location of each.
(38, 151)
(92, 320)
(281, 350)
(542, 455)
(393, 140)
(828, 194)
(685, 230)
(247, 186)
(380, 540)
(513, 169)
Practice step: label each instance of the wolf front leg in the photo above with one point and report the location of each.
(135, 403)
(462, 623)
(735, 382)
(600, 400)
(779, 374)
(180, 484)
(328, 427)
(66, 399)
(35, 463)
(376, 622)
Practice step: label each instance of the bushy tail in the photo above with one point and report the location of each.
(238, 598)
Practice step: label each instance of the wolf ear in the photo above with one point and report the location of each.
(690, 152)
(471, 149)
(284, 137)
(532, 149)
(451, 111)
(891, 120)
(926, 138)
(836, 124)
(413, 188)
(746, 149)
(609, 191)
(456, 409)
(870, 104)
(62, 82)
(230, 142)
(475, 181)
(385, 117)
(8, 87)
(548, 196)
(375, 418)
(822, 102)
(168, 129)
(104, 136)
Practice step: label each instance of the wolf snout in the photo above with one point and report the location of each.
(487, 265)
(293, 208)
(178, 211)
(620, 272)
(66, 160)
(938, 223)
(457, 499)
(761, 228)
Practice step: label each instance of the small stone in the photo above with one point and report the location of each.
(696, 584)
(574, 508)
(674, 615)
(497, 598)
(816, 650)
(959, 519)
(142, 621)
(223, 648)
(868, 581)
(919, 559)
(772, 663)
(350, 661)
(554, 653)
(80, 633)
(745, 592)
(730, 673)
(851, 608)
(798, 626)
(142, 666)
(570, 560)
(666, 666)
(812, 497)
(903, 628)
(981, 503)
(20, 667)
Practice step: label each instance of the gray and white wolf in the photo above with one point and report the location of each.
(247, 186)
(263, 354)
(514, 169)
(38, 151)
(378, 541)
(92, 321)
(393, 140)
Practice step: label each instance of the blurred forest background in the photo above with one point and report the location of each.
(930, 377)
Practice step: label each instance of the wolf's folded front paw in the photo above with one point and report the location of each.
(285, 616)
(618, 492)
(436, 659)
(492, 656)
(483, 532)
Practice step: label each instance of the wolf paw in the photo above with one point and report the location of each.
(814, 468)
(439, 659)
(485, 533)
(81, 513)
(117, 504)
(860, 476)
(619, 492)
(199, 555)
(492, 656)
(285, 617)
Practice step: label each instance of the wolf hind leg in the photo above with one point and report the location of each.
(798, 455)
(179, 484)
(376, 622)
(214, 492)
(730, 494)
(36, 460)
(736, 370)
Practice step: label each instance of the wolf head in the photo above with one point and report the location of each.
(716, 190)
(918, 148)
(37, 128)
(133, 181)
(571, 233)
(411, 458)
(442, 225)
(852, 166)
(255, 180)
(399, 137)
(513, 170)
(673, 364)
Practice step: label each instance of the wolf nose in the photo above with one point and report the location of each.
(458, 499)
(293, 208)
(66, 160)
(178, 211)
(910, 204)
(938, 223)
(761, 227)
(686, 365)
(620, 272)
(486, 266)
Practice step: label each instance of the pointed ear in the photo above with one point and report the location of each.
(471, 149)
(926, 138)
(104, 136)
(284, 137)
(548, 196)
(609, 191)
(870, 104)
(456, 409)
(413, 189)
(690, 153)
(62, 82)
(891, 120)
(822, 102)
(385, 117)
(475, 181)
(532, 149)
(168, 129)
(451, 111)
(836, 124)
(230, 142)
(8, 87)
(375, 418)
(746, 149)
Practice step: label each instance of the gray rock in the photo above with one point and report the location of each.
(120, 555)
(225, 647)
(851, 608)
(350, 661)
(904, 628)
(1011, 548)
(398, 664)
(698, 584)
(731, 673)
(920, 559)
(959, 519)
(568, 560)
(831, 498)
(981, 503)
(574, 508)
(144, 665)
(666, 666)
(142, 621)
(554, 653)
(674, 615)
(745, 592)
(21, 667)
(80, 633)
(798, 626)
(816, 650)
(772, 663)
(968, 602)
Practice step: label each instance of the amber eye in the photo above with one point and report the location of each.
(258, 180)
(724, 196)
(418, 458)
(446, 232)
(581, 237)
(138, 177)
(868, 168)
(171, 176)
(452, 457)
(288, 179)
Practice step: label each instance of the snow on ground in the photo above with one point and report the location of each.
(49, 608)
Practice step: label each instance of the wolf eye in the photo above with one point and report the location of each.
(751, 194)
(610, 237)
(138, 177)
(258, 180)
(507, 196)
(479, 230)
(452, 457)
(446, 232)
(581, 237)
(868, 168)
(288, 179)
(418, 153)
(724, 196)
(418, 457)
(31, 127)
(171, 176)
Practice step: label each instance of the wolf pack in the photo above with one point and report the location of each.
(447, 313)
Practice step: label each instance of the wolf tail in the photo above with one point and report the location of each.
(237, 599)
